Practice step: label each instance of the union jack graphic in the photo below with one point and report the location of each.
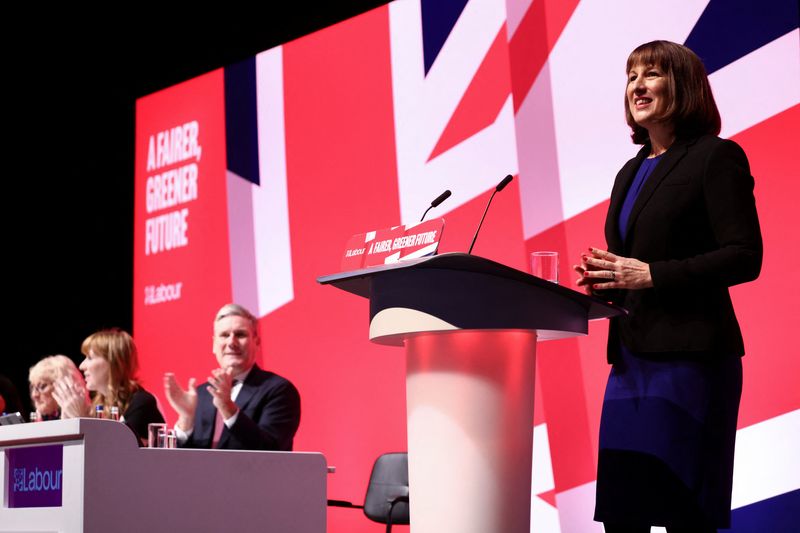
(361, 125)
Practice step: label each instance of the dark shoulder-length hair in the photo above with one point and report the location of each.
(691, 108)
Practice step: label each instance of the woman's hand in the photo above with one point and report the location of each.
(72, 398)
(604, 270)
(584, 281)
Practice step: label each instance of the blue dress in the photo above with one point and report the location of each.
(667, 431)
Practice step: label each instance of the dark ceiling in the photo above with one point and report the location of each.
(70, 92)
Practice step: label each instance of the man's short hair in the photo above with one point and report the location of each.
(232, 309)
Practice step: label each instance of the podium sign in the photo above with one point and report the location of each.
(34, 476)
(390, 245)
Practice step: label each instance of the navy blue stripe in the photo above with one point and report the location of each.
(730, 29)
(438, 19)
(241, 122)
(776, 515)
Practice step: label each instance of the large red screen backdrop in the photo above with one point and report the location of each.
(357, 127)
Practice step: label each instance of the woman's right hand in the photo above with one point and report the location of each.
(586, 283)
(72, 398)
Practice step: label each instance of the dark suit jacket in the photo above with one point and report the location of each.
(269, 414)
(695, 224)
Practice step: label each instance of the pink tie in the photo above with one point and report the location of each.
(218, 425)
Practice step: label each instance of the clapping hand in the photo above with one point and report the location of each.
(72, 398)
(183, 401)
(220, 383)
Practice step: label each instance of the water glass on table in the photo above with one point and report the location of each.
(156, 435)
(545, 265)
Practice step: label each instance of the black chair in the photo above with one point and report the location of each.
(386, 501)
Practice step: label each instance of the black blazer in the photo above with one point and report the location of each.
(695, 224)
(269, 415)
(142, 410)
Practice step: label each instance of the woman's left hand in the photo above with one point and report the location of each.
(72, 398)
(614, 272)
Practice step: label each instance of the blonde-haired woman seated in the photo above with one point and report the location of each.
(110, 369)
(42, 377)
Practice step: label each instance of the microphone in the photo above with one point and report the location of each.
(439, 199)
(500, 187)
(502, 184)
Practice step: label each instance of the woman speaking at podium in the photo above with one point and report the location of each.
(681, 228)
(110, 367)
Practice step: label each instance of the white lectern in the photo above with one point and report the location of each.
(469, 327)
